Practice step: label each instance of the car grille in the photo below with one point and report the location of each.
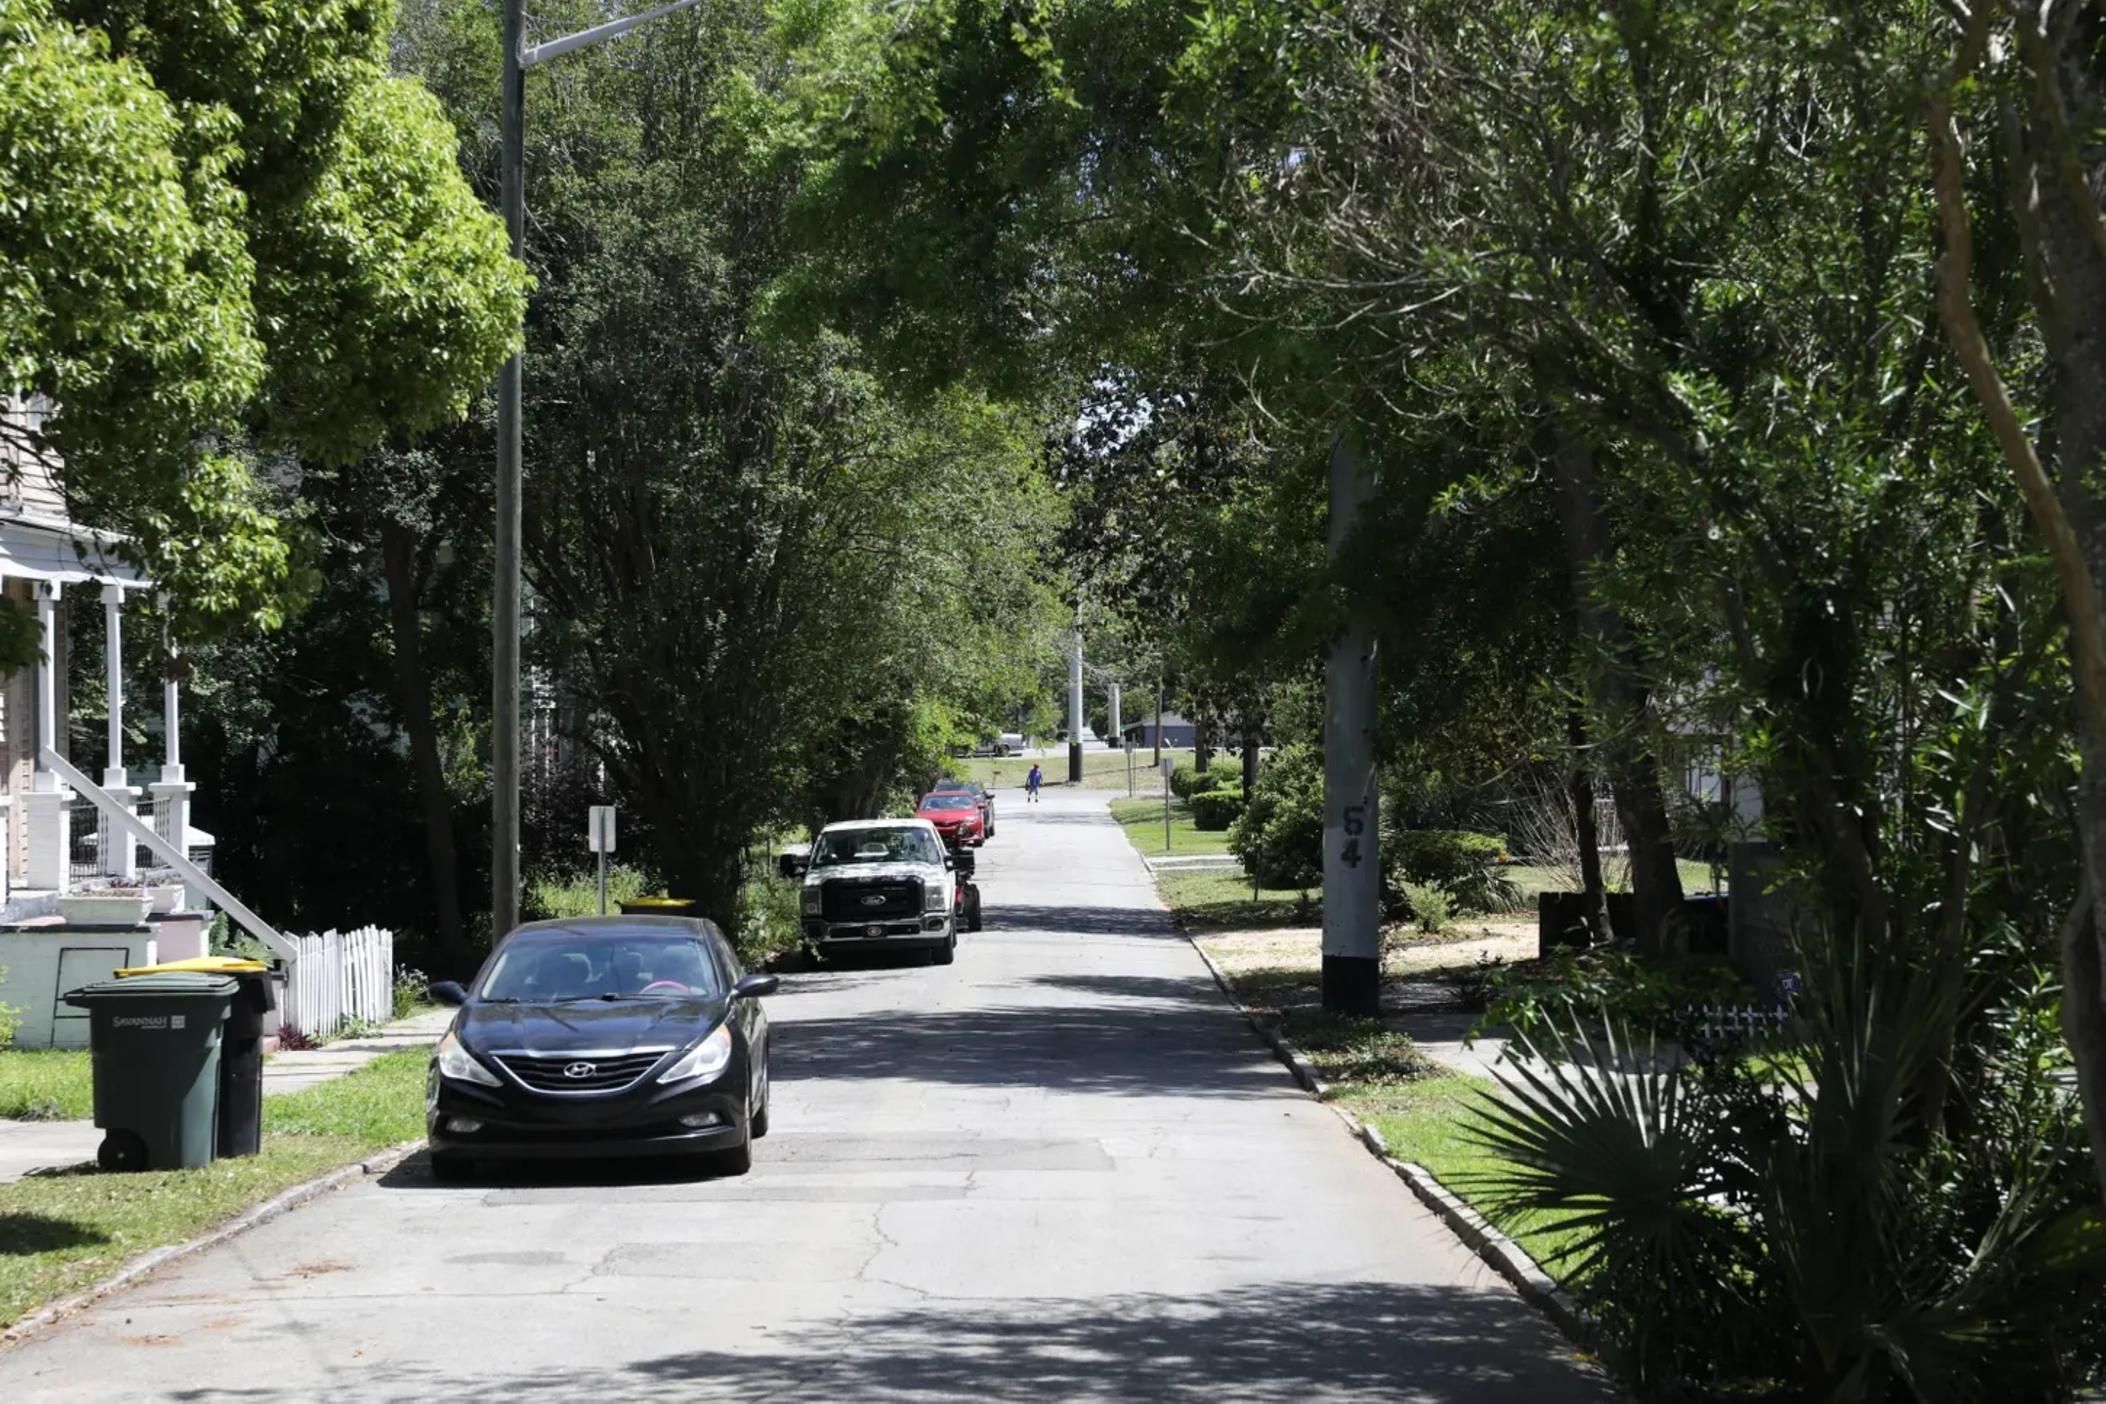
(849, 899)
(554, 1073)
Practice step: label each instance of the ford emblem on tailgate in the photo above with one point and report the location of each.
(580, 1070)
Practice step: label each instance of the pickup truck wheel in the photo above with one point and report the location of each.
(945, 953)
(972, 909)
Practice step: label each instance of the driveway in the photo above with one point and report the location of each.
(1061, 1168)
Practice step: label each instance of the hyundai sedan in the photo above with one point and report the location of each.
(602, 1036)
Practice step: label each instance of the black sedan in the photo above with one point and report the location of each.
(602, 1036)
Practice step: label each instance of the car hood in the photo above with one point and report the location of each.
(869, 870)
(600, 1026)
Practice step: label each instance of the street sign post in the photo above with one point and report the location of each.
(599, 837)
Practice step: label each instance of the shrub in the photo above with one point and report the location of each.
(552, 895)
(10, 1018)
(1213, 811)
(1462, 864)
(1544, 999)
(412, 991)
(1280, 836)
(1222, 773)
(768, 922)
(1431, 909)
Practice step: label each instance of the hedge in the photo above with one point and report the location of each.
(1213, 811)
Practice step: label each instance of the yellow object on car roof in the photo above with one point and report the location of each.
(211, 965)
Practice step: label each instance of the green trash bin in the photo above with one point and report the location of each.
(153, 1041)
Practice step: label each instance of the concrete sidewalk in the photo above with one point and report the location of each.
(27, 1147)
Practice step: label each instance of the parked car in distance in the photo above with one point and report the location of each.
(602, 1036)
(950, 785)
(880, 884)
(956, 815)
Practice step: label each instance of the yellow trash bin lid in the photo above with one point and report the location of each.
(209, 965)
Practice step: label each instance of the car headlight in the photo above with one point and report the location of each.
(810, 899)
(706, 1059)
(458, 1063)
(936, 897)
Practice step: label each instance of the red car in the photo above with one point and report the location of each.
(956, 815)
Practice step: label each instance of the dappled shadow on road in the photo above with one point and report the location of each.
(1129, 1047)
(1171, 987)
(1299, 1341)
(1080, 920)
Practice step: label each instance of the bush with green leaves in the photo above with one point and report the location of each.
(1280, 837)
(1214, 811)
(10, 1018)
(552, 895)
(1464, 865)
(1222, 772)
(1432, 910)
(1801, 1232)
(1610, 988)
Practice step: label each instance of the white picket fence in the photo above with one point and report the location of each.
(339, 977)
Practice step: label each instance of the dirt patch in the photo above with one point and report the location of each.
(321, 1269)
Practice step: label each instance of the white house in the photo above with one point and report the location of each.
(58, 833)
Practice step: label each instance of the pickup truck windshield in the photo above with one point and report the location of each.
(901, 845)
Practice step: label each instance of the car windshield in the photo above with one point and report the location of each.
(901, 845)
(551, 966)
(946, 802)
(953, 787)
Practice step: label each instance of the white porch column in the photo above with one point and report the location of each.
(120, 853)
(172, 792)
(44, 808)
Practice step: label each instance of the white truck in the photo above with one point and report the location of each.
(880, 884)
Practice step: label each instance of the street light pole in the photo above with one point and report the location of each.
(511, 386)
(504, 612)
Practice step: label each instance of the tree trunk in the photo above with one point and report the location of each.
(2063, 242)
(1251, 728)
(1595, 908)
(1202, 740)
(1621, 698)
(413, 695)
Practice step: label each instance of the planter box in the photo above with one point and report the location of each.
(166, 898)
(111, 909)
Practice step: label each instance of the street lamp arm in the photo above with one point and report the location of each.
(586, 38)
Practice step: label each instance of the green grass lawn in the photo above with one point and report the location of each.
(1529, 880)
(44, 1085)
(61, 1233)
(1223, 902)
(1101, 770)
(1143, 821)
(1425, 1121)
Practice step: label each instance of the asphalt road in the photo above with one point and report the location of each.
(1061, 1168)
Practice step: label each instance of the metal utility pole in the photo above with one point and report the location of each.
(1159, 721)
(1352, 970)
(511, 386)
(1075, 711)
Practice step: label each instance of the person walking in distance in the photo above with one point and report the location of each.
(1031, 783)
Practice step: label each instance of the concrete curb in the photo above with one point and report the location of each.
(378, 1163)
(1504, 1256)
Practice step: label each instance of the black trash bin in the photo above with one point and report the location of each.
(240, 1046)
(153, 1042)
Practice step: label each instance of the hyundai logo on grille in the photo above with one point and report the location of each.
(581, 1069)
(873, 901)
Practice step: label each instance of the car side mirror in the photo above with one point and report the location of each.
(448, 992)
(949, 861)
(754, 986)
(793, 865)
